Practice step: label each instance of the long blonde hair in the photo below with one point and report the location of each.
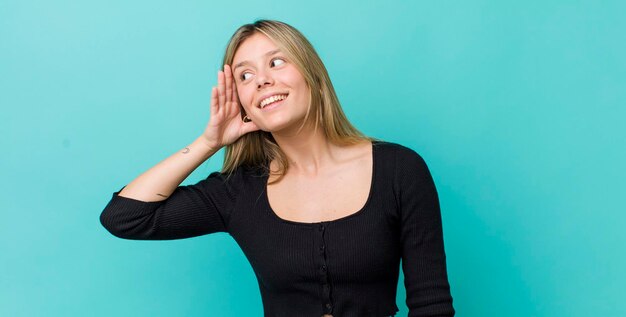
(258, 148)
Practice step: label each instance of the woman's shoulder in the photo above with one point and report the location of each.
(402, 161)
(397, 150)
(240, 176)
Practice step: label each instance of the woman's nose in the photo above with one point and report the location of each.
(263, 79)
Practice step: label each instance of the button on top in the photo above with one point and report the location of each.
(323, 267)
(321, 227)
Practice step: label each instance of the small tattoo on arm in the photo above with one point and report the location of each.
(162, 195)
(186, 150)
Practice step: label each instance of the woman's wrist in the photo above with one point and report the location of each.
(206, 146)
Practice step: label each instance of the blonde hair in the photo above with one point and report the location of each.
(258, 148)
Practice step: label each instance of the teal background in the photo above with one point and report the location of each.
(517, 107)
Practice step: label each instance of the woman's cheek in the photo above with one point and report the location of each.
(246, 103)
(243, 97)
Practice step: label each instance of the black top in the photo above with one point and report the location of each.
(346, 267)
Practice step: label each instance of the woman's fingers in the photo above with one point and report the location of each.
(249, 127)
(235, 96)
(224, 97)
(229, 82)
(221, 94)
(214, 101)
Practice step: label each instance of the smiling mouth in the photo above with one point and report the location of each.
(272, 105)
(273, 100)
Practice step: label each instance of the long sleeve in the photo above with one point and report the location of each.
(421, 236)
(191, 210)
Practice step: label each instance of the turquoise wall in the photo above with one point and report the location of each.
(517, 107)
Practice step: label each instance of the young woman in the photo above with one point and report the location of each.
(323, 213)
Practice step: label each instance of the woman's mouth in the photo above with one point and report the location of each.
(272, 102)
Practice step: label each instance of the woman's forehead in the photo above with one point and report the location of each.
(255, 47)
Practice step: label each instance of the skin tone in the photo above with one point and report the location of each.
(261, 69)
(225, 125)
(310, 153)
(333, 181)
(260, 74)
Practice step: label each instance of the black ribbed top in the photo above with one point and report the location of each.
(347, 267)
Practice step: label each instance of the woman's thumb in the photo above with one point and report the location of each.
(249, 127)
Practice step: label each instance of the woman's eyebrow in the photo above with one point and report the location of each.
(272, 52)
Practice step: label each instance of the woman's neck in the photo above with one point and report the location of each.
(308, 151)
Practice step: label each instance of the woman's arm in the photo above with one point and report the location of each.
(191, 210)
(423, 256)
(161, 180)
(154, 206)
(225, 126)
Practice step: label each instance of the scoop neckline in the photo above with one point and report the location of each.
(352, 215)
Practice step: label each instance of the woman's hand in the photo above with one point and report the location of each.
(225, 124)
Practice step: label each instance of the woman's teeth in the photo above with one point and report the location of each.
(271, 99)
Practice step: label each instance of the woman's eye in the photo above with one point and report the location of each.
(278, 61)
(243, 76)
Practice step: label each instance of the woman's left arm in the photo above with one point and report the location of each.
(423, 255)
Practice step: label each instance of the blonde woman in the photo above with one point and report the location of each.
(323, 213)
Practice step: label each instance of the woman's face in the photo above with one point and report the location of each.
(262, 71)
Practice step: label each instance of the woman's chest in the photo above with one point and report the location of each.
(335, 195)
(360, 249)
(361, 245)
